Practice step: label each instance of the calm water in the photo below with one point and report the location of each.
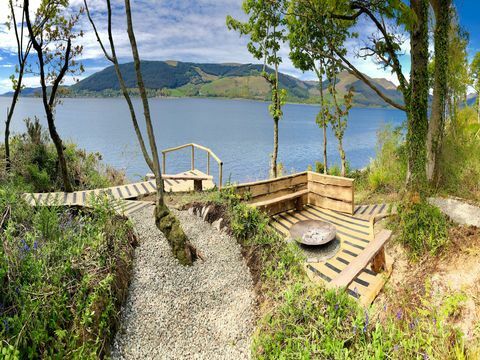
(239, 132)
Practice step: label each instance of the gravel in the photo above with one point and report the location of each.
(205, 311)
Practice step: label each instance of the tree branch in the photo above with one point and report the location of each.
(353, 70)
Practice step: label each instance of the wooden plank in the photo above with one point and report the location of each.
(280, 198)
(283, 203)
(187, 177)
(331, 191)
(282, 192)
(329, 179)
(361, 261)
(273, 185)
(332, 204)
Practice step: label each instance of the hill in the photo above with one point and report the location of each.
(182, 79)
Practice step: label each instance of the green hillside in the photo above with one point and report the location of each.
(185, 79)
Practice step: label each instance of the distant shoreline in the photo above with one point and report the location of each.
(359, 106)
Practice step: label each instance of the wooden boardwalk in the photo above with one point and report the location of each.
(121, 196)
(354, 232)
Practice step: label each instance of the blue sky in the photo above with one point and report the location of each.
(194, 30)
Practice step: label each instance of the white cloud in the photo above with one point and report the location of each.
(183, 30)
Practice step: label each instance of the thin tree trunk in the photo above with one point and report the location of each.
(164, 220)
(276, 102)
(9, 120)
(275, 148)
(49, 104)
(436, 126)
(478, 107)
(323, 121)
(417, 122)
(342, 157)
(325, 163)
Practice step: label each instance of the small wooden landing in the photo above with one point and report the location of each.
(354, 234)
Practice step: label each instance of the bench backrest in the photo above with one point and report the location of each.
(331, 192)
(273, 188)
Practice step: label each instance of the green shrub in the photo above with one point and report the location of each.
(388, 170)
(421, 227)
(63, 277)
(459, 161)
(34, 162)
(247, 222)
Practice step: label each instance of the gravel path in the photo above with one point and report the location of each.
(205, 311)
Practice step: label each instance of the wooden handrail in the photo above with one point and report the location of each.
(209, 152)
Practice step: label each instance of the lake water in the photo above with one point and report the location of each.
(240, 132)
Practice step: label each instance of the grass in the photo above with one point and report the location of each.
(64, 274)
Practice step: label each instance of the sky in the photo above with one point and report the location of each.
(193, 30)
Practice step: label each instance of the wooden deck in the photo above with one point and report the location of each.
(122, 196)
(354, 233)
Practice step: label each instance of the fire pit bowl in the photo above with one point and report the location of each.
(313, 232)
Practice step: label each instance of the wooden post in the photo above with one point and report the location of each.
(208, 163)
(378, 262)
(193, 158)
(164, 166)
(220, 175)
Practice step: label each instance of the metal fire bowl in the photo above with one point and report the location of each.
(313, 232)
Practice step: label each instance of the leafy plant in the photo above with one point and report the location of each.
(422, 227)
(63, 275)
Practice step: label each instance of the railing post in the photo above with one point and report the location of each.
(164, 162)
(220, 175)
(208, 163)
(193, 158)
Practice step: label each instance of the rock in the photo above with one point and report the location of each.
(191, 211)
(218, 224)
(205, 213)
(458, 210)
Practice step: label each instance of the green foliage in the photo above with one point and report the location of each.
(459, 166)
(388, 170)
(309, 322)
(63, 277)
(422, 227)
(248, 222)
(35, 163)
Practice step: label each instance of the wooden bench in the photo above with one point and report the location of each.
(374, 253)
(269, 206)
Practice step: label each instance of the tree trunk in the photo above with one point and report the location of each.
(10, 112)
(276, 104)
(436, 126)
(323, 121)
(342, 158)
(274, 169)
(417, 122)
(49, 103)
(57, 141)
(325, 163)
(164, 219)
(478, 107)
